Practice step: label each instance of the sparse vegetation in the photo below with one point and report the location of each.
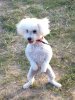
(14, 64)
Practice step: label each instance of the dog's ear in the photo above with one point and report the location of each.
(45, 20)
(19, 27)
(44, 26)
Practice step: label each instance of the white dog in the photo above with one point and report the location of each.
(38, 51)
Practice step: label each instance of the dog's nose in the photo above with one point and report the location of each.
(29, 39)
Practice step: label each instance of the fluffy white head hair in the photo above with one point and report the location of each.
(41, 24)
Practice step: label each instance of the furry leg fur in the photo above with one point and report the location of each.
(30, 78)
(51, 77)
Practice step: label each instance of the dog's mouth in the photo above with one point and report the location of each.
(38, 40)
(30, 41)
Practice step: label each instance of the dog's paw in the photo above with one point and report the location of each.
(28, 84)
(55, 83)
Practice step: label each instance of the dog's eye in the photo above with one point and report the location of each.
(27, 31)
(34, 31)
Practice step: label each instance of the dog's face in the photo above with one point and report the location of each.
(33, 29)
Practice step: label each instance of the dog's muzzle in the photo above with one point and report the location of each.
(30, 40)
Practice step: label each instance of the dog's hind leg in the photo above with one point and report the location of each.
(51, 77)
(30, 78)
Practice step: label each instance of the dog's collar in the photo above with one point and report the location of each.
(41, 40)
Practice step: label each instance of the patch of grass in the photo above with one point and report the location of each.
(34, 86)
(56, 33)
(49, 4)
(10, 20)
(68, 80)
(34, 11)
(4, 58)
(8, 24)
(22, 61)
(3, 45)
(49, 86)
(25, 1)
(69, 34)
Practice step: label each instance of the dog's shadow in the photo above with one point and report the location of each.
(12, 95)
(24, 91)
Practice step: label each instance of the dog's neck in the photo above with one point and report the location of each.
(41, 40)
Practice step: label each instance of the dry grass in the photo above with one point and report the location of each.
(14, 64)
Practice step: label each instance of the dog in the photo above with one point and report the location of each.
(38, 52)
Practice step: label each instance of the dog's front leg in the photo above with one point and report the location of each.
(32, 62)
(45, 64)
(44, 67)
(33, 65)
(30, 78)
(32, 71)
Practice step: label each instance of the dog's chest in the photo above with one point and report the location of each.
(37, 53)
